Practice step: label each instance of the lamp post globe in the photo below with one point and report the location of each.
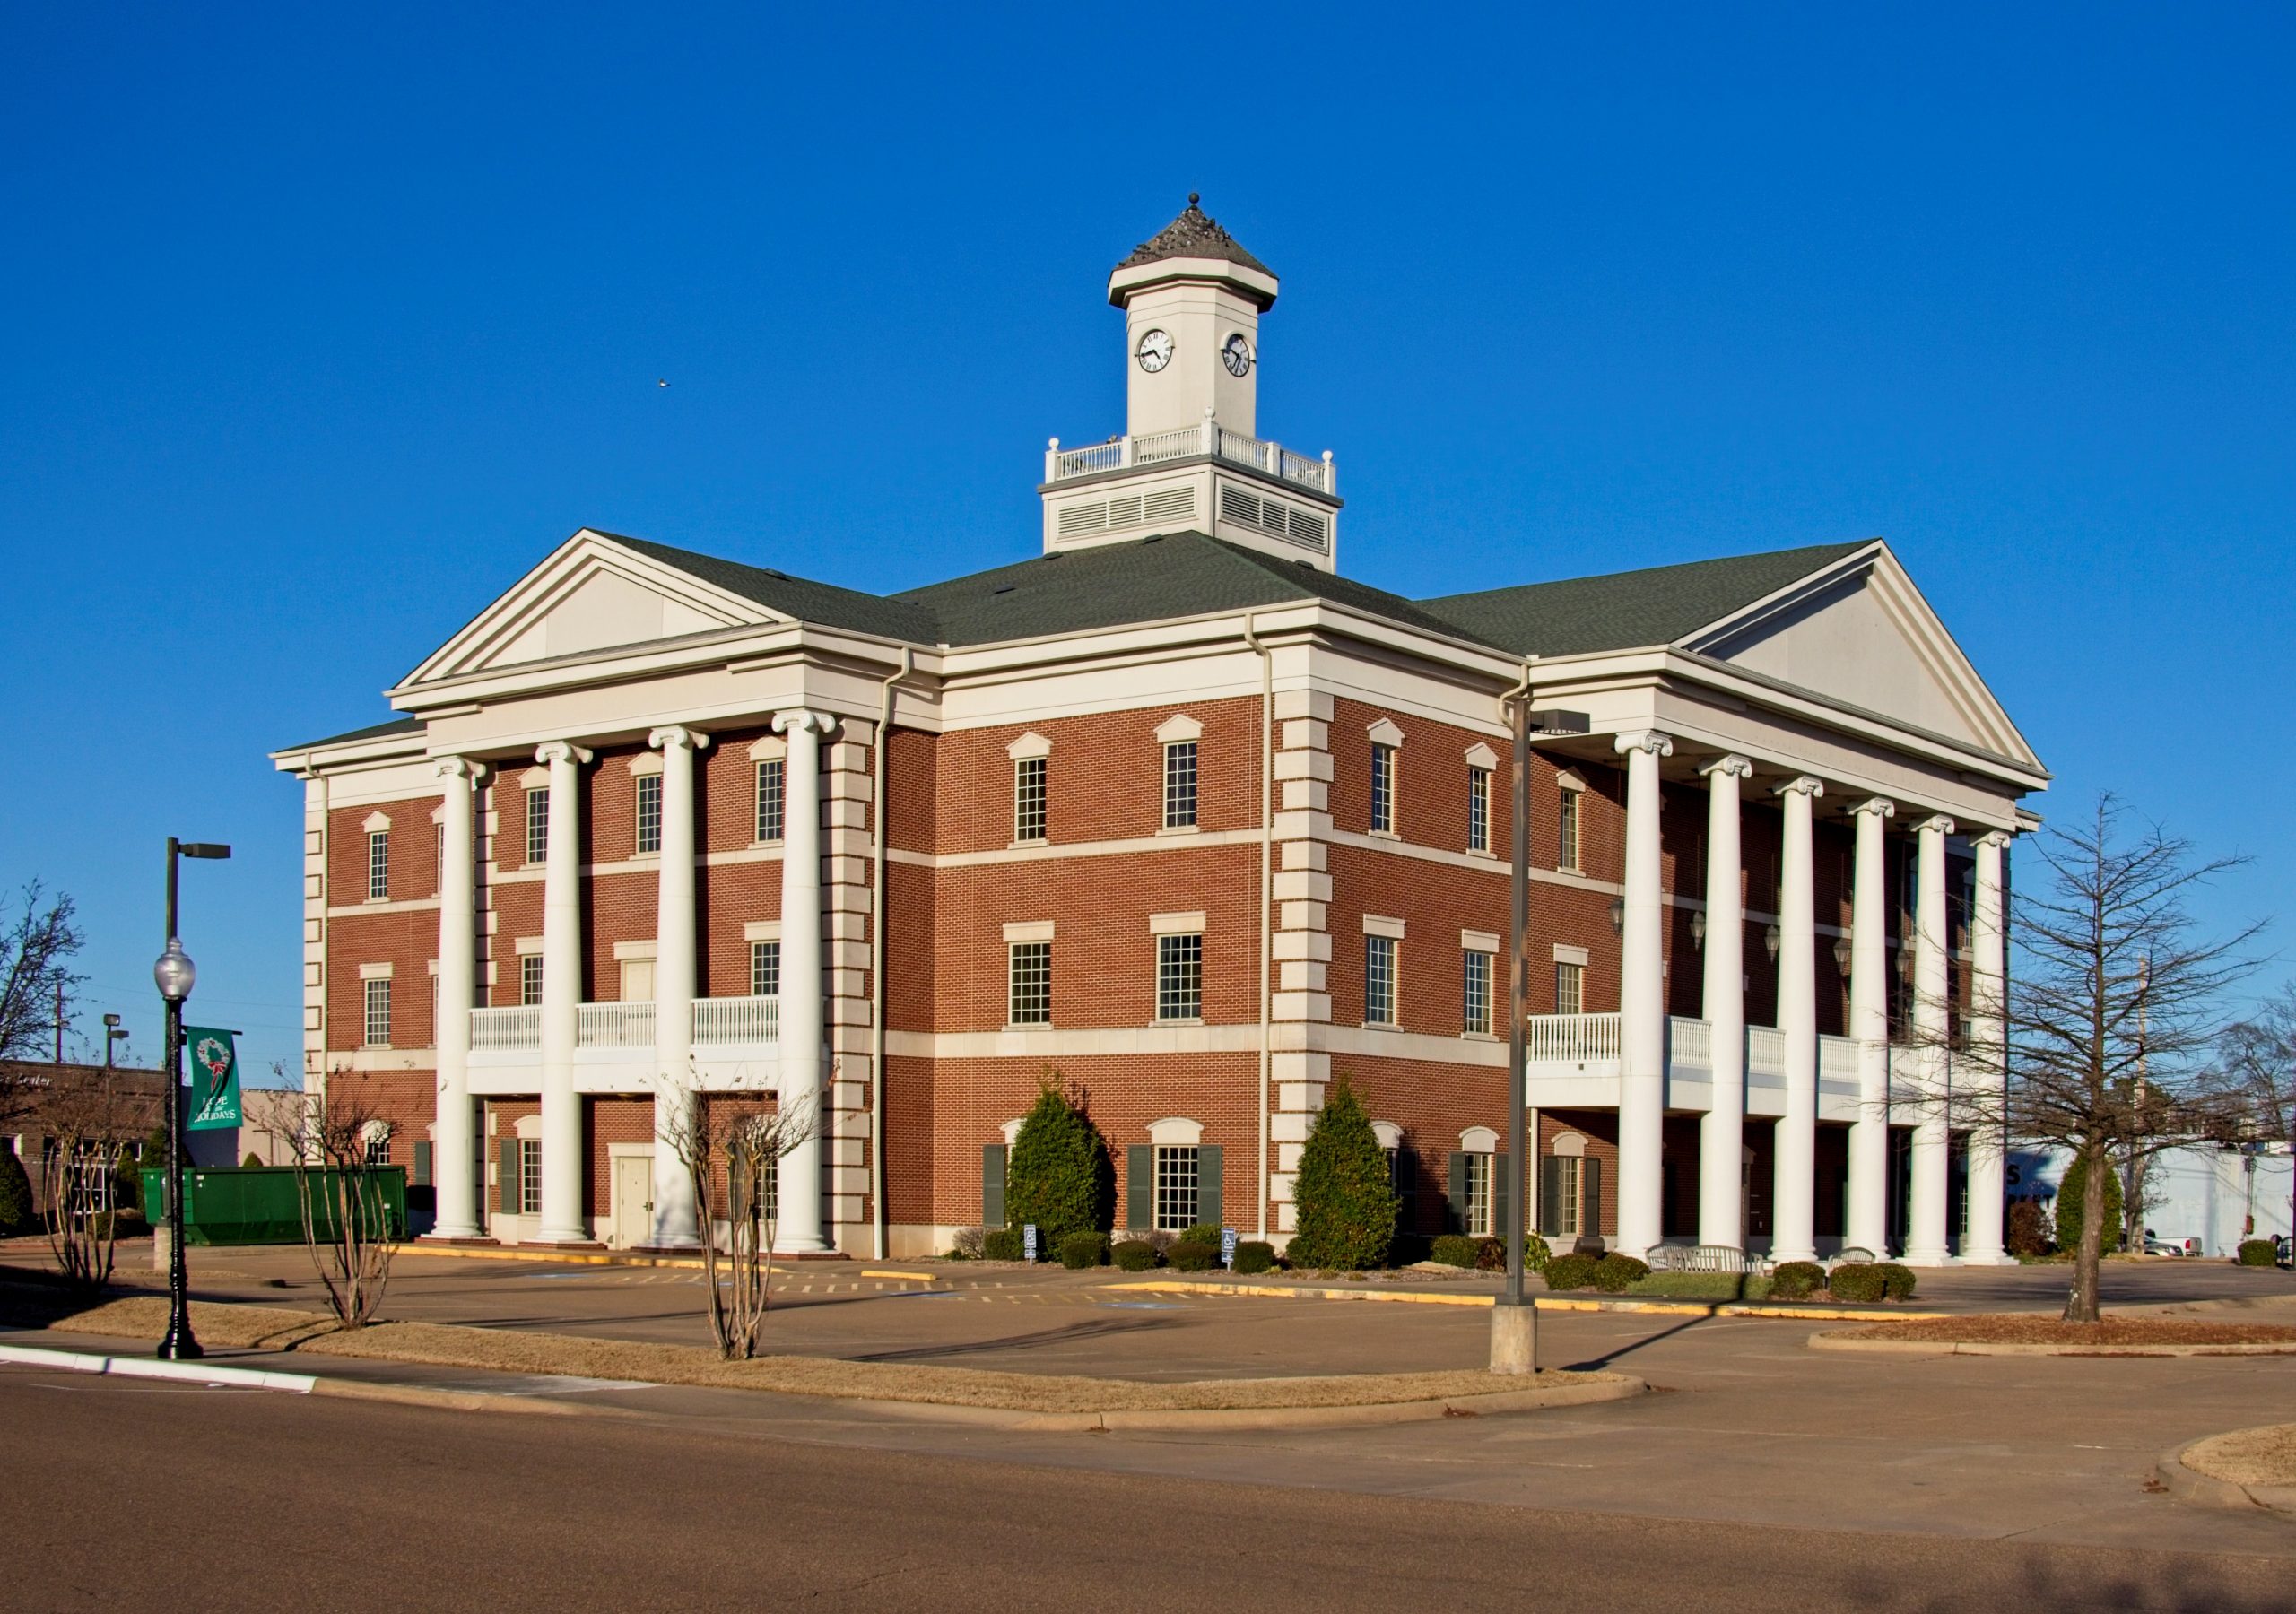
(174, 973)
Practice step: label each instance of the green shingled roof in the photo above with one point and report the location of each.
(374, 730)
(1626, 611)
(798, 598)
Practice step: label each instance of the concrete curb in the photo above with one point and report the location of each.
(2189, 1485)
(153, 1368)
(1556, 1303)
(617, 1258)
(1849, 1341)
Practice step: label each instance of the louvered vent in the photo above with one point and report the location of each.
(1277, 520)
(1168, 504)
(1128, 510)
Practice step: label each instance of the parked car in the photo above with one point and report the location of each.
(2161, 1246)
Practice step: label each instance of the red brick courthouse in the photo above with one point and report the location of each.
(1177, 808)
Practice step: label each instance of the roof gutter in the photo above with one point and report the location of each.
(877, 956)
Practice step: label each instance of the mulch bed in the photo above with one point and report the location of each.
(1997, 1328)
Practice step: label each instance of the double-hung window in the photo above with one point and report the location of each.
(650, 813)
(1029, 799)
(537, 826)
(1029, 983)
(378, 865)
(1570, 989)
(1474, 1011)
(530, 978)
(1566, 831)
(1179, 785)
(379, 1149)
(530, 1176)
(1378, 980)
(1175, 1187)
(1383, 789)
(1478, 809)
(1180, 976)
(378, 1013)
(773, 775)
(1475, 1214)
(765, 970)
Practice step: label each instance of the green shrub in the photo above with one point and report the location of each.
(2029, 1232)
(1535, 1254)
(1083, 1248)
(1616, 1270)
(2258, 1251)
(1857, 1283)
(1796, 1280)
(1003, 1244)
(1573, 1271)
(1451, 1249)
(16, 1213)
(251, 1162)
(1060, 1176)
(1193, 1255)
(1347, 1206)
(1201, 1233)
(1136, 1255)
(1898, 1281)
(2071, 1193)
(1254, 1256)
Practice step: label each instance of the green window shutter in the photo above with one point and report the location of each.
(992, 1185)
(1455, 1213)
(1591, 1173)
(1502, 1193)
(1550, 1195)
(1140, 1185)
(1211, 1189)
(506, 1186)
(421, 1163)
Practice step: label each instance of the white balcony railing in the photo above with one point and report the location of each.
(1765, 1050)
(506, 1030)
(1837, 1058)
(1569, 1039)
(614, 1026)
(739, 1021)
(1690, 1042)
(1210, 439)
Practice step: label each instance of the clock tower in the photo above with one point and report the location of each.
(1191, 456)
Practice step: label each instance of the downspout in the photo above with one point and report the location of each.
(327, 929)
(1266, 895)
(878, 955)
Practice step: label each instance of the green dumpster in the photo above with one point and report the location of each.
(260, 1204)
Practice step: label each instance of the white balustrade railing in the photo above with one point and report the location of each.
(1307, 472)
(1084, 462)
(506, 1030)
(1209, 439)
(1689, 1041)
(1837, 1058)
(748, 1021)
(1766, 1050)
(1569, 1039)
(615, 1024)
(1157, 446)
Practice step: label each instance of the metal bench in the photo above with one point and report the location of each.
(1697, 1258)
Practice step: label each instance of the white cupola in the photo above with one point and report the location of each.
(1191, 457)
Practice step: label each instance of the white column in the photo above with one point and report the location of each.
(1988, 944)
(454, 1136)
(1926, 1237)
(1722, 1135)
(1794, 1194)
(1642, 1005)
(1869, 1023)
(564, 1161)
(803, 1011)
(676, 931)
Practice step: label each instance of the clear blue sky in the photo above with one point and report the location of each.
(322, 325)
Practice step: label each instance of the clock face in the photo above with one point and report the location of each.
(1236, 353)
(1154, 351)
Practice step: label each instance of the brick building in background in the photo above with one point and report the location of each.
(1179, 811)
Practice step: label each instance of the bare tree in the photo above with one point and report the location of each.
(2114, 1003)
(741, 1145)
(37, 940)
(89, 1118)
(347, 1224)
(2257, 1068)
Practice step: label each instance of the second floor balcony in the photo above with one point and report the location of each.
(725, 1031)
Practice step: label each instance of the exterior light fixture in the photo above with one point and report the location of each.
(173, 973)
(1698, 928)
(1770, 938)
(1841, 952)
(1618, 915)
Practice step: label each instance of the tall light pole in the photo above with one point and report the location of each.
(174, 975)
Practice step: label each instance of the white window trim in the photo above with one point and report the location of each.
(1029, 745)
(1568, 779)
(1012, 1131)
(529, 947)
(1393, 1023)
(1478, 1140)
(534, 778)
(1385, 733)
(761, 930)
(1569, 1146)
(1375, 924)
(1390, 1134)
(527, 1129)
(1572, 955)
(1175, 924)
(773, 748)
(645, 762)
(1177, 727)
(1474, 940)
(1480, 755)
(1030, 930)
(624, 951)
(1177, 1131)
(374, 972)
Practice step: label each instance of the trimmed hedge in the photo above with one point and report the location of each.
(1347, 1206)
(1136, 1255)
(1003, 1244)
(1060, 1176)
(1193, 1255)
(1254, 1256)
(1615, 1271)
(1083, 1248)
(1455, 1249)
(1857, 1283)
(1796, 1280)
(1573, 1271)
(2258, 1251)
(1899, 1280)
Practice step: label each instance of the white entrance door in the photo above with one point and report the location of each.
(633, 1201)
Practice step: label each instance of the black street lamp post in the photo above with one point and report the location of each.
(174, 975)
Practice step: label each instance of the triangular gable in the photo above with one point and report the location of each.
(1858, 631)
(589, 594)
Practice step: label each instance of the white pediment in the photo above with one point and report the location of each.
(591, 594)
(1860, 633)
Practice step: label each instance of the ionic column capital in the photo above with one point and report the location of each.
(677, 735)
(1937, 822)
(1997, 840)
(1802, 785)
(461, 767)
(562, 750)
(1645, 740)
(1733, 767)
(1881, 807)
(802, 720)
